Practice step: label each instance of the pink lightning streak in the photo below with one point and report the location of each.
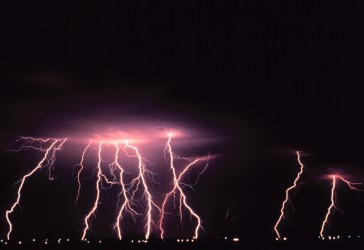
(133, 191)
(96, 203)
(332, 205)
(49, 156)
(80, 170)
(332, 199)
(177, 187)
(286, 200)
(146, 193)
(126, 205)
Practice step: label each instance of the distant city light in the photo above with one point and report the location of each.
(284, 238)
(235, 239)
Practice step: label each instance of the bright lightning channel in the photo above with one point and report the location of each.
(96, 203)
(126, 205)
(80, 170)
(333, 199)
(286, 200)
(127, 200)
(177, 188)
(47, 161)
(141, 178)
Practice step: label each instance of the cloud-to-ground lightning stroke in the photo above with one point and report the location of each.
(96, 203)
(177, 188)
(80, 170)
(126, 204)
(128, 190)
(332, 206)
(146, 193)
(286, 200)
(135, 197)
(47, 161)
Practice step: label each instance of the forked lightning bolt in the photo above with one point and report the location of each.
(128, 190)
(80, 170)
(332, 200)
(96, 203)
(47, 161)
(146, 193)
(177, 189)
(132, 193)
(126, 205)
(286, 200)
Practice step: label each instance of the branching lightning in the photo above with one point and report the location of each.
(333, 205)
(96, 203)
(177, 189)
(80, 170)
(47, 161)
(136, 182)
(126, 205)
(134, 198)
(286, 200)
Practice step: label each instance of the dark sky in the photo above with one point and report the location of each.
(265, 79)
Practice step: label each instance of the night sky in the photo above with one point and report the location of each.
(254, 81)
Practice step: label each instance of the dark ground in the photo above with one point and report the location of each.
(249, 244)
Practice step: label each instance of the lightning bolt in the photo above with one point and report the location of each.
(177, 188)
(146, 193)
(47, 161)
(286, 200)
(96, 203)
(332, 206)
(133, 191)
(126, 204)
(80, 170)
